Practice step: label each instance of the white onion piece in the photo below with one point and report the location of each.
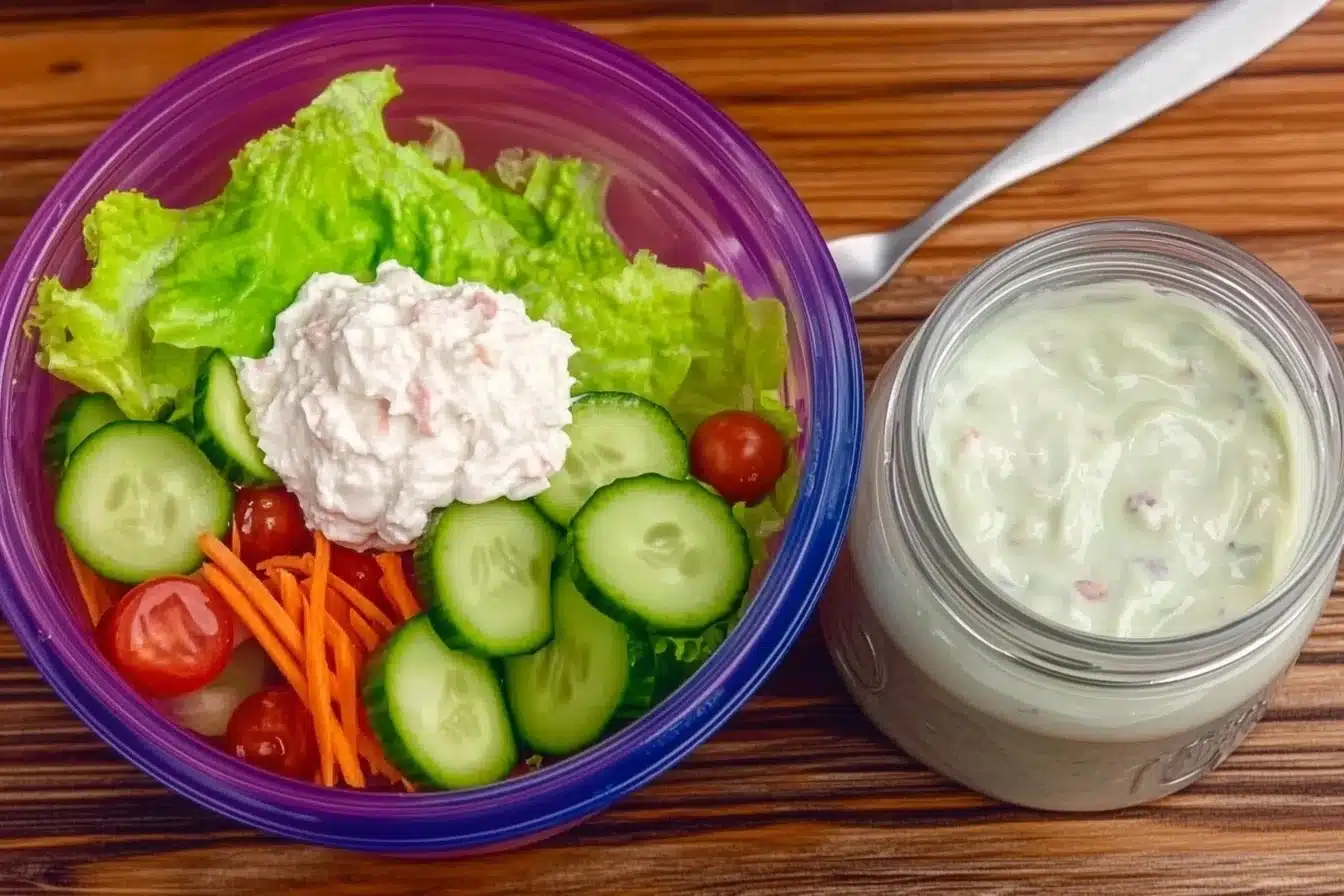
(207, 710)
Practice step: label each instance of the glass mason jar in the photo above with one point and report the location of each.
(977, 687)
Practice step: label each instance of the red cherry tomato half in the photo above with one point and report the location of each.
(358, 570)
(272, 729)
(168, 636)
(739, 455)
(270, 523)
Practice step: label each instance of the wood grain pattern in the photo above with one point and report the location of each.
(871, 118)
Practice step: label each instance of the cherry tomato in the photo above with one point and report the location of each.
(270, 523)
(408, 567)
(357, 569)
(272, 729)
(739, 455)
(168, 636)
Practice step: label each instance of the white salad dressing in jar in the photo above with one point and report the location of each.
(1101, 507)
(1119, 461)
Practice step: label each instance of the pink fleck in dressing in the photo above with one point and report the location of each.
(1090, 590)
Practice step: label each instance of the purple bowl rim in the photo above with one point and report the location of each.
(621, 763)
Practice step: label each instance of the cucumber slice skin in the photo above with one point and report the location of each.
(220, 425)
(139, 461)
(615, 676)
(75, 419)
(614, 435)
(628, 601)
(452, 605)
(414, 653)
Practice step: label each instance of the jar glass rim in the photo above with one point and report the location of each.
(1008, 627)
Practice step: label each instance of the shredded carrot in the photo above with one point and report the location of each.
(366, 635)
(395, 586)
(379, 763)
(347, 688)
(304, 566)
(259, 612)
(315, 656)
(295, 622)
(90, 587)
(258, 595)
(299, 565)
(373, 754)
(235, 541)
(370, 611)
(247, 611)
(298, 593)
(290, 598)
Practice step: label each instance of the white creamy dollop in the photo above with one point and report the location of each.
(382, 401)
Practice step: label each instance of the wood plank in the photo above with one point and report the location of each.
(271, 11)
(871, 118)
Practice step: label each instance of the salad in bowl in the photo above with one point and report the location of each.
(384, 471)
(358, 443)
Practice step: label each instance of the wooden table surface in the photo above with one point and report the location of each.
(871, 117)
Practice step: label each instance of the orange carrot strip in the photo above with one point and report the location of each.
(235, 541)
(298, 565)
(395, 587)
(252, 618)
(259, 595)
(347, 689)
(290, 598)
(373, 754)
(90, 587)
(371, 611)
(366, 635)
(304, 566)
(335, 630)
(379, 764)
(315, 654)
(339, 639)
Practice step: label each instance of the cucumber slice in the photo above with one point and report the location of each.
(485, 570)
(563, 696)
(613, 435)
(662, 554)
(220, 424)
(134, 499)
(437, 712)
(75, 419)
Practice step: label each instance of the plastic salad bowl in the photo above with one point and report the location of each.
(688, 185)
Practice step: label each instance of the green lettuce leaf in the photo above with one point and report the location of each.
(631, 326)
(331, 192)
(96, 337)
(740, 350)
